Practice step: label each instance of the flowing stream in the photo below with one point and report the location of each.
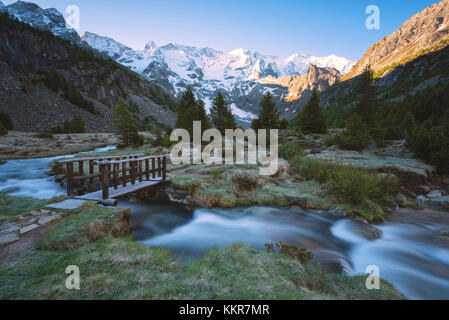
(411, 248)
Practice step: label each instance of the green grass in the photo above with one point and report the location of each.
(11, 207)
(120, 268)
(94, 223)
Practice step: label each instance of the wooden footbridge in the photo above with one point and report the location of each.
(118, 175)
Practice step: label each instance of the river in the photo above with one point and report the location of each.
(412, 251)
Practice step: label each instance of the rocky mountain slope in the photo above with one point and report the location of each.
(425, 29)
(45, 19)
(30, 58)
(411, 59)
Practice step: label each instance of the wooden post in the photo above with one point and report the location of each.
(159, 171)
(164, 169)
(124, 174)
(147, 169)
(91, 170)
(140, 170)
(153, 169)
(81, 173)
(105, 170)
(133, 172)
(70, 179)
(115, 173)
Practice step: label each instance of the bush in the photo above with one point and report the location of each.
(356, 135)
(356, 185)
(45, 135)
(3, 130)
(431, 145)
(347, 183)
(5, 120)
(289, 150)
(291, 250)
(244, 180)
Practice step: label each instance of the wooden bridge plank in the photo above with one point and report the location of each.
(120, 191)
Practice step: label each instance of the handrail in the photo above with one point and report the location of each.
(131, 160)
(99, 158)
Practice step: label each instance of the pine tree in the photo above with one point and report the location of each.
(268, 116)
(124, 124)
(190, 110)
(311, 119)
(356, 135)
(221, 114)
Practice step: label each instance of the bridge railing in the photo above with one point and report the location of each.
(115, 173)
(77, 167)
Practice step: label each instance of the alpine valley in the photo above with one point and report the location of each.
(242, 75)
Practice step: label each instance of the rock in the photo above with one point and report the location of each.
(423, 189)
(60, 178)
(360, 219)
(45, 212)
(434, 194)
(338, 212)
(28, 228)
(366, 230)
(244, 180)
(35, 213)
(6, 238)
(299, 201)
(31, 221)
(422, 201)
(111, 202)
(400, 199)
(45, 220)
(389, 206)
(441, 202)
(297, 209)
(408, 193)
(122, 222)
(283, 166)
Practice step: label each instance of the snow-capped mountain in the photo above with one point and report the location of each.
(242, 75)
(238, 73)
(45, 19)
(2, 7)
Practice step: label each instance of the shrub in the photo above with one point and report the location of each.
(356, 135)
(291, 250)
(356, 185)
(347, 183)
(5, 120)
(289, 150)
(3, 130)
(45, 135)
(331, 140)
(244, 180)
(431, 145)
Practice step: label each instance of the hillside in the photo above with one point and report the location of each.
(30, 59)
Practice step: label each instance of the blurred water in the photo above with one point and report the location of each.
(405, 254)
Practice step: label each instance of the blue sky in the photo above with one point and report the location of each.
(275, 27)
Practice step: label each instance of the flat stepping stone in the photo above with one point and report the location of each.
(69, 204)
(28, 228)
(8, 238)
(48, 219)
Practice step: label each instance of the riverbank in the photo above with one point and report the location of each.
(25, 145)
(113, 266)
